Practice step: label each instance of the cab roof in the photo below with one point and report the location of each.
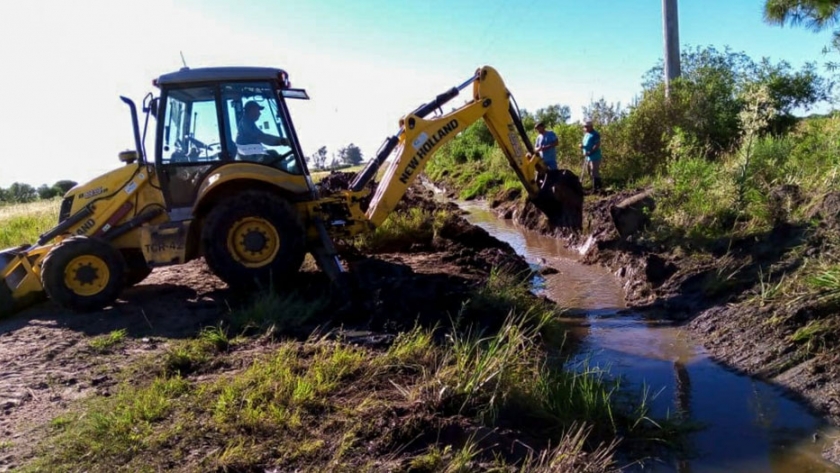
(215, 74)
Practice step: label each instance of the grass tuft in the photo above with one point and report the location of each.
(106, 343)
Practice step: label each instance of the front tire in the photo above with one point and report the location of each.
(253, 239)
(83, 274)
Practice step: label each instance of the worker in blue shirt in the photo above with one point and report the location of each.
(591, 147)
(546, 145)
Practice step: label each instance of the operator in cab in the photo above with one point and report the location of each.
(249, 134)
(250, 140)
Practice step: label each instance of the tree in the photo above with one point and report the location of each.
(4, 195)
(334, 162)
(64, 185)
(708, 95)
(528, 120)
(553, 115)
(351, 154)
(603, 113)
(319, 158)
(22, 193)
(815, 15)
(47, 192)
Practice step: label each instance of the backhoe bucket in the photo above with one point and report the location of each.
(561, 199)
(19, 285)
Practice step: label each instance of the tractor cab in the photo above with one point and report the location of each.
(210, 117)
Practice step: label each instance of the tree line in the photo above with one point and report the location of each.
(21, 193)
(702, 116)
(350, 155)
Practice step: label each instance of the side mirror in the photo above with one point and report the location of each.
(128, 156)
(150, 104)
(153, 107)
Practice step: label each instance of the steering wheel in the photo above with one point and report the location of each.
(279, 158)
(200, 144)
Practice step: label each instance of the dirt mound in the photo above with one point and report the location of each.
(828, 211)
(337, 181)
(393, 291)
(415, 196)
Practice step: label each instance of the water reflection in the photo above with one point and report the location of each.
(749, 426)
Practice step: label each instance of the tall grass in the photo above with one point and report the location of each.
(402, 230)
(730, 197)
(23, 223)
(487, 174)
(504, 378)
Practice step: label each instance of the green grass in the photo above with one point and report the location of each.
(276, 393)
(827, 280)
(106, 343)
(474, 179)
(23, 223)
(328, 406)
(402, 230)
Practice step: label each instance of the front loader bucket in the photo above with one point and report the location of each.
(19, 285)
(561, 199)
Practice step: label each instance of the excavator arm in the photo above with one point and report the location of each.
(557, 193)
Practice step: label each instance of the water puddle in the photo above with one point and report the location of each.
(748, 425)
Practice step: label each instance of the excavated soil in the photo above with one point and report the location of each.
(48, 361)
(714, 293)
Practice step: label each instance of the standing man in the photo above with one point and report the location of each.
(546, 145)
(591, 147)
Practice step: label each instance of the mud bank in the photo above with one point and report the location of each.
(723, 295)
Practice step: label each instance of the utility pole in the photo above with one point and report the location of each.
(671, 35)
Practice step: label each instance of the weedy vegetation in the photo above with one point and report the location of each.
(241, 396)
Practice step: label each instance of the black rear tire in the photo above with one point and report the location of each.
(7, 302)
(273, 216)
(136, 268)
(83, 274)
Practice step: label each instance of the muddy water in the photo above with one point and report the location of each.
(746, 425)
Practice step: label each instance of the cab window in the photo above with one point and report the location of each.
(256, 129)
(191, 132)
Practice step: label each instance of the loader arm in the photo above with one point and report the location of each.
(420, 138)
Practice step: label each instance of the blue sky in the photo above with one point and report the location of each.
(364, 63)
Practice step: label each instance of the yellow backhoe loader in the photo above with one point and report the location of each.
(229, 183)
